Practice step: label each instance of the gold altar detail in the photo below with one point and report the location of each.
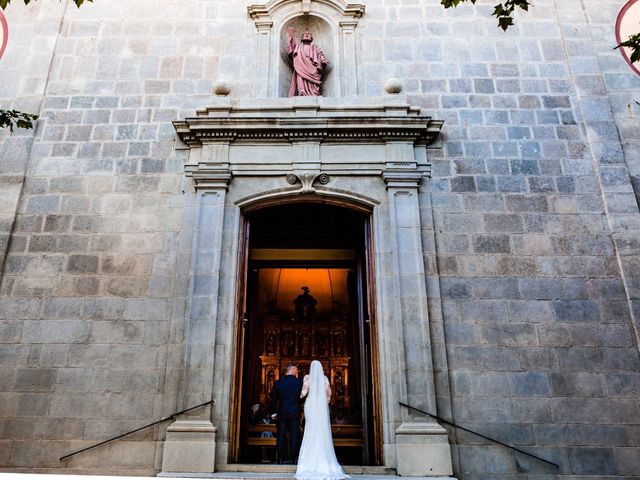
(287, 341)
(297, 315)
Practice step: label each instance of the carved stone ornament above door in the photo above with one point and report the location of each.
(305, 137)
(333, 24)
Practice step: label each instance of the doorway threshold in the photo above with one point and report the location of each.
(287, 472)
(291, 469)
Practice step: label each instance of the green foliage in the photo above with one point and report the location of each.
(4, 3)
(13, 118)
(634, 44)
(503, 11)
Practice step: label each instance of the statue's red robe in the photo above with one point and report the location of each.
(308, 64)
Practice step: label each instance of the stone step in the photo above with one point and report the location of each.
(274, 468)
(234, 475)
(286, 472)
(285, 476)
(218, 476)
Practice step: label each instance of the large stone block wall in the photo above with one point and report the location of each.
(25, 67)
(96, 277)
(530, 223)
(535, 220)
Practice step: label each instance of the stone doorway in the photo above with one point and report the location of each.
(325, 249)
(371, 158)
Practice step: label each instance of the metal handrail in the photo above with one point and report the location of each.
(134, 431)
(480, 435)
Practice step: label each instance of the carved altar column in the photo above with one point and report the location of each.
(191, 445)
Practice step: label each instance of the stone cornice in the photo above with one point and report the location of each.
(209, 178)
(378, 124)
(308, 139)
(402, 179)
(259, 12)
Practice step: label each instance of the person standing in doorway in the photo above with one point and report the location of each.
(285, 401)
(317, 456)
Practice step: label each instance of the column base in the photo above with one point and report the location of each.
(422, 450)
(190, 447)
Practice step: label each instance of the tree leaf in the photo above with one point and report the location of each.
(12, 118)
(633, 43)
(505, 22)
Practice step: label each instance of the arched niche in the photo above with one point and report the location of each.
(323, 36)
(334, 25)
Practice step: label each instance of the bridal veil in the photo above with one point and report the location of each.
(317, 459)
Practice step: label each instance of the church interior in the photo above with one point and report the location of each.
(306, 300)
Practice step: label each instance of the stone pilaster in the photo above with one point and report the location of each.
(349, 77)
(422, 446)
(263, 80)
(190, 446)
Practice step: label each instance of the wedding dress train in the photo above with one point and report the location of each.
(317, 459)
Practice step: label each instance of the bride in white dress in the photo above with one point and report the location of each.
(317, 459)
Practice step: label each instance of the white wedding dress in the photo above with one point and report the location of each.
(317, 459)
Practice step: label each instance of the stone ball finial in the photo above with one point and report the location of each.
(222, 88)
(393, 86)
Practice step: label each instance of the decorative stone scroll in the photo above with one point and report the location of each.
(307, 179)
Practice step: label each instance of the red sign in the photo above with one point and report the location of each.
(4, 33)
(628, 24)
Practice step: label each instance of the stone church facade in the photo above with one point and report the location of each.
(486, 185)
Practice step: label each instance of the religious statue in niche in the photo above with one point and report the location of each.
(271, 343)
(321, 347)
(339, 344)
(305, 306)
(338, 383)
(288, 345)
(305, 345)
(309, 63)
(271, 378)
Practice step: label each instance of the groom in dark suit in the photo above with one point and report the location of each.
(285, 400)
